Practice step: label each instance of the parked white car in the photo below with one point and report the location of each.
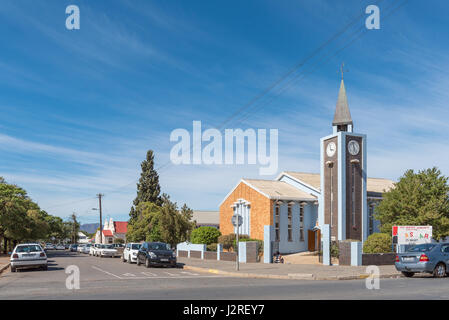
(49, 246)
(93, 249)
(80, 248)
(86, 248)
(107, 250)
(130, 252)
(60, 247)
(28, 255)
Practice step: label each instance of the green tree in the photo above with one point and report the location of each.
(377, 243)
(72, 227)
(145, 227)
(20, 218)
(175, 225)
(205, 235)
(160, 223)
(15, 217)
(148, 188)
(417, 199)
(57, 228)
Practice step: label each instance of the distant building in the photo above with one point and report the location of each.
(82, 238)
(112, 230)
(206, 218)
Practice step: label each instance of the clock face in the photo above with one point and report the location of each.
(353, 147)
(331, 148)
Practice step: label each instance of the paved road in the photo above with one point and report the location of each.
(109, 278)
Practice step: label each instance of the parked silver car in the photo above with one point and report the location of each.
(430, 258)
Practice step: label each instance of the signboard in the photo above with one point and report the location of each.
(412, 234)
(236, 218)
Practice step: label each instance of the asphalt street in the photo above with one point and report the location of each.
(110, 278)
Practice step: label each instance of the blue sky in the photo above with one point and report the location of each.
(80, 108)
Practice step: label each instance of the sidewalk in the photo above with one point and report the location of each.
(4, 262)
(284, 271)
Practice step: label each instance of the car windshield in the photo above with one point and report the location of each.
(421, 247)
(135, 246)
(159, 246)
(29, 248)
(108, 246)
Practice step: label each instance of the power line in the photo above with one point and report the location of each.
(251, 106)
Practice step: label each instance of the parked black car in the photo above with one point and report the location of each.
(156, 254)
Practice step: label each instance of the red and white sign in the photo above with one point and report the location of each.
(413, 234)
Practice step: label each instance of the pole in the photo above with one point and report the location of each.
(237, 260)
(101, 219)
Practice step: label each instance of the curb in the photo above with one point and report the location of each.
(3, 268)
(290, 276)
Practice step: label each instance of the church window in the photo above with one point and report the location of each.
(301, 222)
(371, 218)
(289, 217)
(353, 195)
(277, 222)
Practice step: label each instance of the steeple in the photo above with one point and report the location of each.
(342, 118)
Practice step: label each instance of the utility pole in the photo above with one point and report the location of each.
(101, 225)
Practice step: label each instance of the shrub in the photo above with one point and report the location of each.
(377, 243)
(335, 250)
(228, 241)
(205, 235)
(212, 247)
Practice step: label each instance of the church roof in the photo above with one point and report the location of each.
(279, 190)
(374, 185)
(342, 114)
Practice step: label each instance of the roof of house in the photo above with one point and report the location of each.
(279, 190)
(107, 233)
(121, 226)
(206, 217)
(376, 185)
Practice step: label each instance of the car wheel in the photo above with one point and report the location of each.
(147, 263)
(439, 271)
(13, 269)
(45, 268)
(408, 274)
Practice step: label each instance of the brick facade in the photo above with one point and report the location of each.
(261, 211)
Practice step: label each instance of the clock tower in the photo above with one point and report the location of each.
(343, 203)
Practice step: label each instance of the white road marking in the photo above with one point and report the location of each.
(96, 268)
(190, 273)
(149, 274)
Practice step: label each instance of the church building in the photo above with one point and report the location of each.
(298, 204)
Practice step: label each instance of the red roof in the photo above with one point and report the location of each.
(120, 226)
(107, 233)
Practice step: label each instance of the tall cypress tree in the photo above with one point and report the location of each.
(148, 188)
